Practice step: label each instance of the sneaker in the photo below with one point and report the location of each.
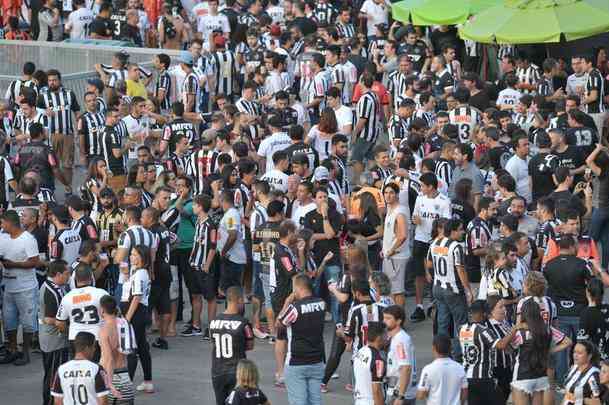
(418, 315)
(9, 357)
(349, 387)
(260, 334)
(206, 335)
(335, 376)
(160, 344)
(324, 388)
(148, 388)
(191, 331)
(279, 381)
(22, 359)
(186, 326)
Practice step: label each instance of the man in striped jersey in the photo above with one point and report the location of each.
(13, 92)
(96, 86)
(527, 73)
(367, 127)
(318, 87)
(464, 116)
(162, 88)
(25, 117)
(335, 68)
(201, 277)
(594, 91)
(59, 104)
(190, 91)
(89, 126)
(248, 106)
(224, 69)
(113, 150)
(345, 28)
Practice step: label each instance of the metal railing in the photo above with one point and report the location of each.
(75, 61)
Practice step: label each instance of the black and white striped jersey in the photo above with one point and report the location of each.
(89, 126)
(201, 164)
(137, 235)
(446, 256)
(116, 75)
(506, 50)
(477, 346)
(545, 87)
(163, 82)
(501, 358)
(398, 128)
(224, 67)
(529, 75)
(191, 86)
(428, 116)
(62, 103)
(65, 245)
(176, 164)
(337, 74)
(368, 108)
(396, 84)
(325, 13)
(14, 89)
(204, 243)
(110, 139)
(345, 30)
(248, 19)
(297, 49)
(249, 107)
(22, 123)
(101, 106)
(359, 317)
(444, 171)
(582, 385)
(596, 83)
(466, 118)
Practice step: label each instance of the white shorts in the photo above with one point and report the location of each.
(173, 287)
(533, 385)
(395, 269)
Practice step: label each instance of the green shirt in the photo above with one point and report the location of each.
(186, 228)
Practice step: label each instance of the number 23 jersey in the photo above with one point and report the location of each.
(231, 336)
(82, 309)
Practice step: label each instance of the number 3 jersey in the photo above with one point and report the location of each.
(82, 309)
(231, 336)
(80, 382)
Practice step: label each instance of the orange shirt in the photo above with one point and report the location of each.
(354, 210)
(586, 249)
(377, 87)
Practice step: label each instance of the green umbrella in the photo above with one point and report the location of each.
(538, 21)
(438, 12)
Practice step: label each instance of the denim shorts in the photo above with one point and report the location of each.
(21, 308)
(532, 385)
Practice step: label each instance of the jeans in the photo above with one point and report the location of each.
(599, 229)
(21, 308)
(304, 384)
(331, 274)
(569, 325)
(449, 304)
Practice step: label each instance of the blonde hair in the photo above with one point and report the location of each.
(247, 374)
(535, 284)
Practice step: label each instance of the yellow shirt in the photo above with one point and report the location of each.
(135, 89)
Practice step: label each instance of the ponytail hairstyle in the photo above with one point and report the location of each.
(531, 315)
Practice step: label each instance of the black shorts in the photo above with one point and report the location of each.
(159, 299)
(201, 283)
(223, 385)
(230, 274)
(419, 253)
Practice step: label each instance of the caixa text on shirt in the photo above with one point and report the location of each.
(313, 307)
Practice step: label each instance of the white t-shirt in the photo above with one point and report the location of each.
(368, 369)
(231, 221)
(519, 169)
(323, 145)
(401, 353)
(81, 307)
(429, 209)
(389, 234)
(78, 22)
(19, 249)
(299, 212)
(210, 23)
(134, 127)
(268, 146)
(344, 116)
(443, 380)
(377, 14)
(138, 284)
(508, 97)
(277, 179)
(8, 175)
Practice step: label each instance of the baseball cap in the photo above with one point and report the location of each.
(97, 83)
(186, 58)
(321, 174)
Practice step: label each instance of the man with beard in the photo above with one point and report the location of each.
(526, 223)
(231, 336)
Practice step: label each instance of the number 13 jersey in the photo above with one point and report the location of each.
(231, 336)
(82, 309)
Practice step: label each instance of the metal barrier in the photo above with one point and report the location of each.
(75, 61)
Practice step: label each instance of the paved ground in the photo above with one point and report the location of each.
(182, 374)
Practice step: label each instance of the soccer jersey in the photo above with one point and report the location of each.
(429, 209)
(82, 308)
(402, 353)
(368, 368)
(65, 245)
(466, 119)
(231, 335)
(446, 255)
(80, 382)
(359, 318)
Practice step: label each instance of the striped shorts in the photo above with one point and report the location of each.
(122, 383)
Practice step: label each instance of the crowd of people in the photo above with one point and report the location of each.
(320, 162)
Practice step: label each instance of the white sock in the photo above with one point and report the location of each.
(420, 306)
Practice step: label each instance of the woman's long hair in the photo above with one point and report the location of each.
(531, 315)
(92, 172)
(133, 172)
(368, 205)
(226, 173)
(327, 121)
(463, 190)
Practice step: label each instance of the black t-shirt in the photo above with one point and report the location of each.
(305, 322)
(162, 273)
(463, 211)
(594, 326)
(584, 139)
(119, 26)
(101, 26)
(567, 277)
(498, 156)
(571, 158)
(246, 396)
(541, 169)
(314, 221)
(416, 52)
(307, 26)
(480, 100)
(441, 39)
(39, 157)
(285, 267)
(231, 336)
(573, 201)
(305, 149)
